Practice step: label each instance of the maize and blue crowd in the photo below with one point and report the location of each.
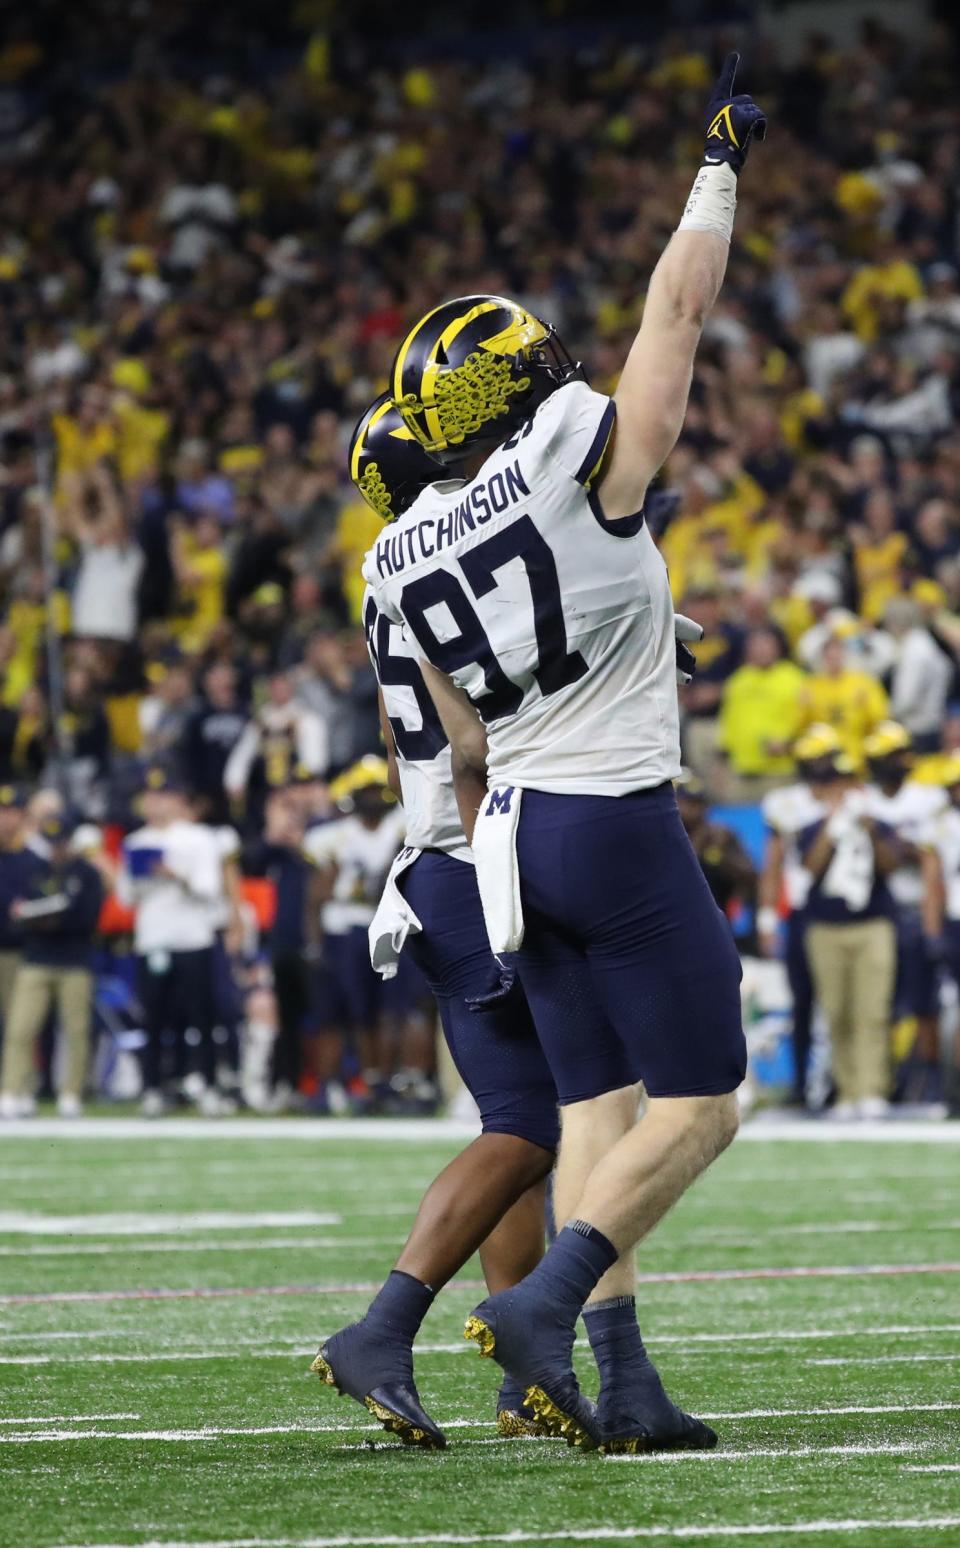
(211, 240)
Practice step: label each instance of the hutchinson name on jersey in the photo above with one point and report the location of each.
(557, 623)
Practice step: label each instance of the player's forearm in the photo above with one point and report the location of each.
(687, 280)
(470, 788)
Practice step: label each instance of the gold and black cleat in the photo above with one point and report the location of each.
(396, 1405)
(553, 1419)
(513, 1424)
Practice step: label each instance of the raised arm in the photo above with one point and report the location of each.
(652, 394)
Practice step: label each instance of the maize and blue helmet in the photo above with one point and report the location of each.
(387, 462)
(473, 370)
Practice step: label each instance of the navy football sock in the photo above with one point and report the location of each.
(615, 1340)
(400, 1306)
(573, 1265)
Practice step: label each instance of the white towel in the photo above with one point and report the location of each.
(498, 878)
(394, 919)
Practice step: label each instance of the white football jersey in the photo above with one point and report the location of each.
(788, 811)
(909, 812)
(423, 752)
(944, 834)
(556, 623)
(362, 856)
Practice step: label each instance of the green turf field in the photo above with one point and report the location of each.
(184, 1418)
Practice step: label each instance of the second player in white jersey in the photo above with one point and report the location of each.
(909, 811)
(787, 812)
(422, 749)
(557, 623)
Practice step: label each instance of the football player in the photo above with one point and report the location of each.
(818, 754)
(909, 808)
(542, 613)
(488, 1029)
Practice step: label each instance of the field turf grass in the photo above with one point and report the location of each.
(132, 1419)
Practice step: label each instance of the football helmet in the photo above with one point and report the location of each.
(473, 370)
(387, 462)
(819, 755)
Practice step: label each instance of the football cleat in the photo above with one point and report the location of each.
(514, 1419)
(537, 1357)
(350, 1362)
(643, 1418)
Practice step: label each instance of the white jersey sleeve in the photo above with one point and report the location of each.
(557, 623)
(422, 749)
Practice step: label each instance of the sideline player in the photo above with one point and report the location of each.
(495, 1048)
(909, 808)
(787, 812)
(543, 614)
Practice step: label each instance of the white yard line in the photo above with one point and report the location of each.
(257, 1244)
(886, 1449)
(439, 1130)
(583, 1534)
(370, 1287)
(891, 1359)
(21, 1223)
(215, 1432)
(766, 1336)
(280, 1348)
(931, 1467)
(67, 1418)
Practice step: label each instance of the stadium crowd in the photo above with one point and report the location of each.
(208, 251)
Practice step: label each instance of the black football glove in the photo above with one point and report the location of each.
(732, 122)
(686, 632)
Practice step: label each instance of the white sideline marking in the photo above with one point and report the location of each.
(439, 1130)
(891, 1359)
(931, 1467)
(370, 1287)
(66, 1418)
(18, 1223)
(296, 1346)
(281, 1348)
(887, 1449)
(853, 1408)
(214, 1432)
(155, 1354)
(105, 1249)
(588, 1534)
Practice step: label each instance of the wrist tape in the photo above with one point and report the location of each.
(713, 201)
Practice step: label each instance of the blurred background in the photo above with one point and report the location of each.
(215, 224)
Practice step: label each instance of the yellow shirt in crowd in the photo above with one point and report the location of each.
(203, 594)
(358, 528)
(853, 703)
(760, 708)
(877, 567)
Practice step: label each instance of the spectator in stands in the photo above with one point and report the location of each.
(719, 654)
(340, 693)
(57, 911)
(171, 876)
(851, 942)
(85, 741)
(104, 599)
(279, 856)
(11, 887)
(281, 736)
(759, 715)
(843, 696)
(723, 859)
(212, 731)
(164, 713)
(922, 674)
